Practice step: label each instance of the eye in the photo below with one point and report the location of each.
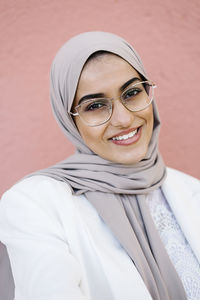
(94, 105)
(131, 93)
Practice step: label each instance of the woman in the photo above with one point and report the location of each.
(110, 222)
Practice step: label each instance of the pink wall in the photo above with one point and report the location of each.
(165, 33)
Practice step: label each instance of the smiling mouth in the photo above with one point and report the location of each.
(125, 136)
(128, 138)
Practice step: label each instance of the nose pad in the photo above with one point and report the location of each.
(121, 116)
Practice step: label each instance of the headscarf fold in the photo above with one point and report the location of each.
(117, 191)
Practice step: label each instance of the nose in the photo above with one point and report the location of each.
(121, 116)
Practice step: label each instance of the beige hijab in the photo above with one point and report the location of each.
(117, 191)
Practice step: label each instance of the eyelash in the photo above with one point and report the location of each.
(133, 90)
(89, 107)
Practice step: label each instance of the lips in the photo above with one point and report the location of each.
(127, 137)
(124, 132)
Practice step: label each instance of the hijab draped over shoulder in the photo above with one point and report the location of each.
(117, 191)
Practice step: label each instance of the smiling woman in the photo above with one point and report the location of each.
(110, 222)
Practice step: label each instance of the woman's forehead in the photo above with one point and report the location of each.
(105, 75)
(106, 63)
(100, 58)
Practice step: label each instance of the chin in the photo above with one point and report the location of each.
(129, 159)
(129, 155)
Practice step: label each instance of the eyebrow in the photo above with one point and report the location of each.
(91, 96)
(128, 83)
(102, 95)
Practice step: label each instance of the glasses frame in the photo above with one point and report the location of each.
(111, 106)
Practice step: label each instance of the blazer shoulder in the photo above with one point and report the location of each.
(39, 191)
(38, 183)
(176, 177)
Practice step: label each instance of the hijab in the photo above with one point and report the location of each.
(117, 191)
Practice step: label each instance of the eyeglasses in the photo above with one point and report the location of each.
(95, 112)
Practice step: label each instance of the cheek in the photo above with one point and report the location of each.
(147, 115)
(88, 135)
(91, 136)
(150, 118)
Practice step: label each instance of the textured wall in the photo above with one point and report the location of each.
(165, 33)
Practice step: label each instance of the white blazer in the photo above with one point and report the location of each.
(60, 249)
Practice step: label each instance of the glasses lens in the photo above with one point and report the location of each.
(95, 112)
(138, 96)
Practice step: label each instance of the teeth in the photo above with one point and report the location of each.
(124, 137)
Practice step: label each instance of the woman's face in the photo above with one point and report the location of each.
(115, 140)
